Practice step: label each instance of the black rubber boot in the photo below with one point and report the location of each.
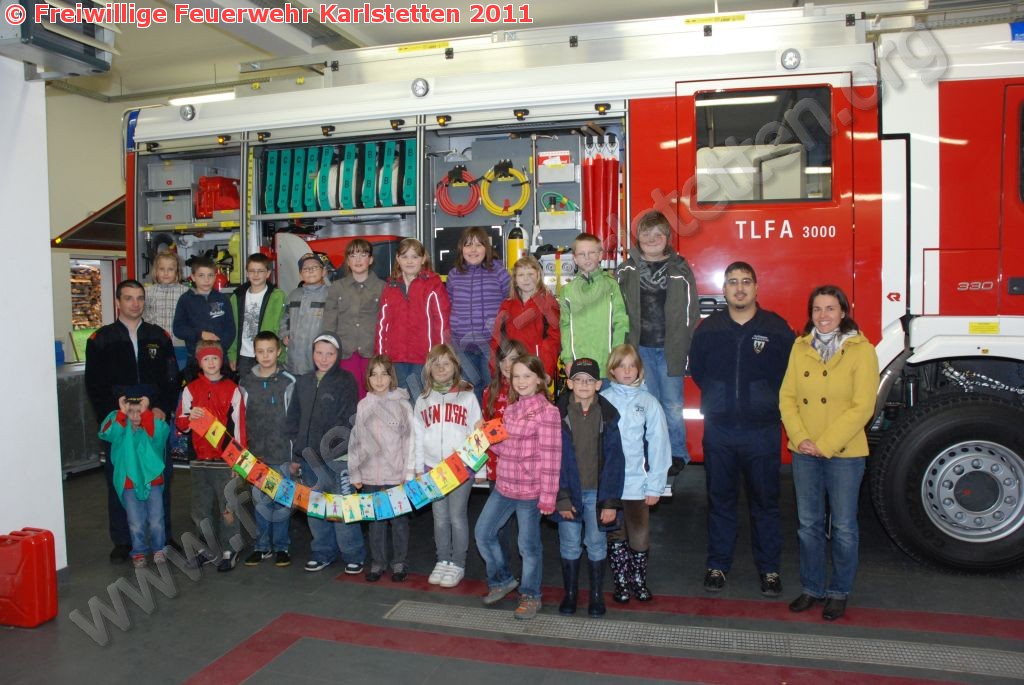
(596, 608)
(638, 577)
(619, 560)
(571, 582)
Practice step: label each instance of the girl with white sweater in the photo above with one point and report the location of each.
(445, 414)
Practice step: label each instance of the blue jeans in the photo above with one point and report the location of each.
(838, 479)
(332, 537)
(146, 516)
(583, 530)
(475, 370)
(410, 377)
(496, 512)
(669, 391)
(753, 456)
(272, 522)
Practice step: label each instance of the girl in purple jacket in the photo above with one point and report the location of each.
(476, 288)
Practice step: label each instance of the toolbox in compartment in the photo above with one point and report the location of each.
(170, 175)
(169, 209)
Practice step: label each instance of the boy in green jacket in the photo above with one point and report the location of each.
(257, 306)
(593, 314)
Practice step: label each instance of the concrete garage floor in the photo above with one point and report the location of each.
(906, 623)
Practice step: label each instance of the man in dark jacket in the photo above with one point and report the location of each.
(738, 359)
(130, 353)
(319, 421)
(590, 482)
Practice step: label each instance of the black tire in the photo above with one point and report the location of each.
(915, 467)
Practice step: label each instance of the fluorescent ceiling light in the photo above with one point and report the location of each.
(749, 100)
(209, 97)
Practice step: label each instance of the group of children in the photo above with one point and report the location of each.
(406, 363)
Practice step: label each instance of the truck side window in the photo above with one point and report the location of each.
(764, 145)
(1020, 154)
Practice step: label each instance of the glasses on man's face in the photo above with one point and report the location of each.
(310, 269)
(256, 272)
(584, 381)
(745, 282)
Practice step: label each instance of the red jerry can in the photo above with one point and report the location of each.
(28, 578)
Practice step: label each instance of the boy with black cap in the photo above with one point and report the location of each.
(212, 393)
(319, 418)
(590, 482)
(303, 317)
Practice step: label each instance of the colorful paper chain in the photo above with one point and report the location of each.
(396, 501)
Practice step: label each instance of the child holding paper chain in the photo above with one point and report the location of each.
(137, 441)
(496, 394)
(381, 455)
(445, 414)
(212, 393)
(324, 399)
(527, 486)
(268, 392)
(641, 419)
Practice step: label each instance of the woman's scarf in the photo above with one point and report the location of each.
(828, 343)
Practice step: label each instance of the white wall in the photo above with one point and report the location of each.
(30, 457)
(84, 152)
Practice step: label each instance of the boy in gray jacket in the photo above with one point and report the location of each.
(268, 392)
(303, 315)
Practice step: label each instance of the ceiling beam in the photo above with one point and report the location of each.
(349, 32)
(278, 39)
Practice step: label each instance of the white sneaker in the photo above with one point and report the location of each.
(439, 571)
(453, 575)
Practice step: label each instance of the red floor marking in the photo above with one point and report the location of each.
(888, 619)
(255, 653)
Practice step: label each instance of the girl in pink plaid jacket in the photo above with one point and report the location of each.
(527, 485)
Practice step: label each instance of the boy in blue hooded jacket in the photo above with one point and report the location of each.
(590, 482)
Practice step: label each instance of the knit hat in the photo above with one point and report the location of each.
(327, 338)
(208, 348)
(585, 366)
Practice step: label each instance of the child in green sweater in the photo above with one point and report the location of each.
(137, 440)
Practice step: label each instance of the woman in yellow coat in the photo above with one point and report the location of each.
(827, 397)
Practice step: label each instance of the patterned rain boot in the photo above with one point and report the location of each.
(619, 560)
(638, 576)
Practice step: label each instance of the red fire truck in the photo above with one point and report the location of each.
(874, 146)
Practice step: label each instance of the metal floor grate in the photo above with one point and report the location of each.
(889, 653)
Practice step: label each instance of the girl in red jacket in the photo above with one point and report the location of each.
(496, 394)
(414, 312)
(530, 315)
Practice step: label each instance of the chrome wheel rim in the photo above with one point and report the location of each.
(974, 491)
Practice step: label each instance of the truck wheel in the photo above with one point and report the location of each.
(948, 484)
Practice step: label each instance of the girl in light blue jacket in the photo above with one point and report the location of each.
(640, 417)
